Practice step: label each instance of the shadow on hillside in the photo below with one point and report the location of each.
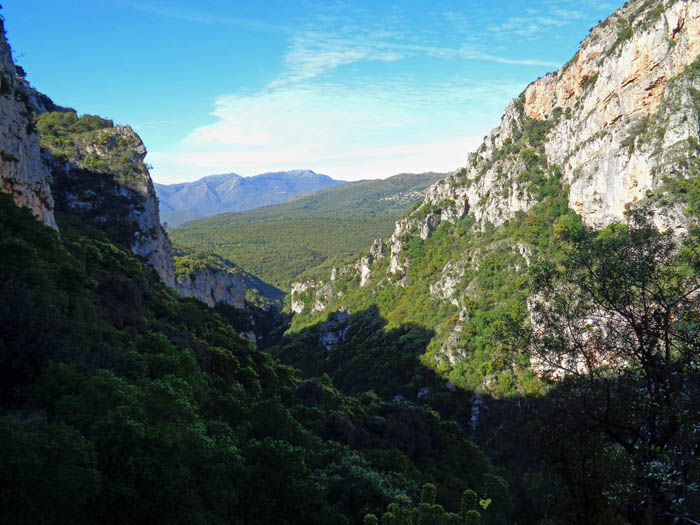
(266, 290)
(555, 448)
(360, 355)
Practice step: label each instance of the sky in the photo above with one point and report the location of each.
(355, 90)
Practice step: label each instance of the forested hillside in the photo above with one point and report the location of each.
(123, 402)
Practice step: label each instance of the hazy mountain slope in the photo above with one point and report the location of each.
(230, 192)
(277, 243)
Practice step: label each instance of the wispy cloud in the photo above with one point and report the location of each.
(473, 54)
(321, 112)
(568, 14)
(458, 21)
(324, 44)
(535, 22)
(202, 17)
(315, 53)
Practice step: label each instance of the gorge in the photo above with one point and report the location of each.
(522, 348)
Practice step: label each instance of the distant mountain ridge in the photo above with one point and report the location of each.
(283, 241)
(230, 192)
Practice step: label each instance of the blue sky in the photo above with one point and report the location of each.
(361, 89)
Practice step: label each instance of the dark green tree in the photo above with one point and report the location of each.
(615, 327)
(470, 514)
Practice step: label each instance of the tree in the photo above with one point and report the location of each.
(616, 329)
(470, 514)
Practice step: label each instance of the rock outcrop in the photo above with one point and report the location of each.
(376, 252)
(310, 296)
(22, 173)
(334, 330)
(213, 286)
(101, 175)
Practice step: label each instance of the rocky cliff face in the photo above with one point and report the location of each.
(213, 286)
(22, 173)
(98, 172)
(611, 125)
(614, 120)
(623, 88)
(91, 168)
(617, 126)
(314, 296)
(77, 167)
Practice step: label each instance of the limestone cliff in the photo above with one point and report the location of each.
(216, 282)
(85, 164)
(98, 172)
(613, 121)
(318, 294)
(213, 286)
(611, 125)
(22, 173)
(88, 167)
(617, 126)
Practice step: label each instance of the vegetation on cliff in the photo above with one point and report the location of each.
(92, 143)
(490, 287)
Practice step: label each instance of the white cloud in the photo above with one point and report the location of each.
(353, 130)
(469, 53)
(345, 132)
(329, 42)
(568, 14)
(313, 53)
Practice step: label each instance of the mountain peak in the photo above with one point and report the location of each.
(231, 192)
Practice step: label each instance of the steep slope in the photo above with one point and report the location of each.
(22, 173)
(231, 192)
(615, 127)
(277, 243)
(98, 173)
